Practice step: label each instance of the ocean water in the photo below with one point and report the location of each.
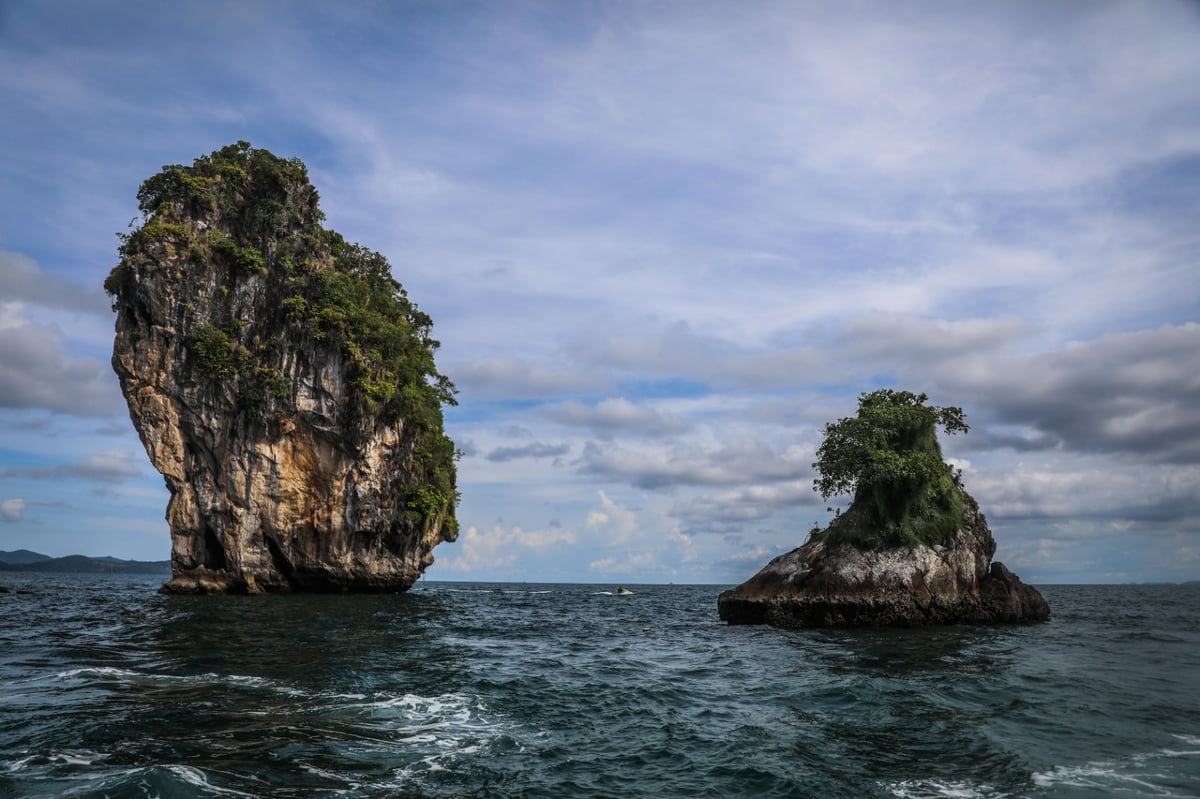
(471, 690)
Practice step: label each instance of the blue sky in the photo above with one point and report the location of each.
(662, 244)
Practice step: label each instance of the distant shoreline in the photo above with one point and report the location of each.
(34, 562)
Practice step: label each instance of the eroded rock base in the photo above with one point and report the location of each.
(839, 585)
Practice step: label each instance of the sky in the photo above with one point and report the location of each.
(663, 243)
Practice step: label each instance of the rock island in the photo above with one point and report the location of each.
(913, 547)
(282, 383)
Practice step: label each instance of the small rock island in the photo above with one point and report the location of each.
(913, 547)
(282, 383)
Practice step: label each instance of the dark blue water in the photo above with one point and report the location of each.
(467, 690)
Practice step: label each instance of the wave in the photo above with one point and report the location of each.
(1137, 775)
(171, 779)
(102, 674)
(951, 789)
(69, 757)
(342, 740)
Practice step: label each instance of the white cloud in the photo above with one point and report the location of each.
(617, 521)
(732, 461)
(510, 377)
(614, 416)
(733, 510)
(1081, 487)
(500, 549)
(11, 509)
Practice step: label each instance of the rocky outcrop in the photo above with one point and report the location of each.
(282, 384)
(831, 582)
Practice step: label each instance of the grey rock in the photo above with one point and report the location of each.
(840, 585)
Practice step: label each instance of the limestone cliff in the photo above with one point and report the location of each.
(832, 582)
(283, 385)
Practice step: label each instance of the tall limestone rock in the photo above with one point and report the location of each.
(282, 383)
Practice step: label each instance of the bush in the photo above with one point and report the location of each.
(888, 458)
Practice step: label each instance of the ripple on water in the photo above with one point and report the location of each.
(509, 691)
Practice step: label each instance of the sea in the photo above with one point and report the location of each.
(108, 689)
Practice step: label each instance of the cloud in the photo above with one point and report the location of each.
(22, 281)
(11, 509)
(735, 461)
(731, 511)
(615, 416)
(501, 548)
(743, 563)
(35, 372)
(1127, 392)
(616, 520)
(113, 466)
(732, 222)
(662, 555)
(648, 345)
(879, 339)
(1122, 392)
(506, 377)
(1080, 487)
(627, 563)
(535, 450)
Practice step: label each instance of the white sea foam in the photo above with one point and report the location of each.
(78, 757)
(111, 673)
(13, 766)
(1137, 773)
(1100, 776)
(936, 789)
(145, 779)
(434, 731)
(197, 778)
(67, 757)
(1190, 740)
(96, 671)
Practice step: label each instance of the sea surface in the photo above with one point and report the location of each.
(108, 689)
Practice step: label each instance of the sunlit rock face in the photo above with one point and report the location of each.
(840, 585)
(265, 363)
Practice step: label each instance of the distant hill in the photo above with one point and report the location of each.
(25, 561)
(22, 556)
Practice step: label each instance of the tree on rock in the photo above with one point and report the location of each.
(888, 458)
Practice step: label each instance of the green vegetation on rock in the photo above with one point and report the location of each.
(888, 458)
(242, 229)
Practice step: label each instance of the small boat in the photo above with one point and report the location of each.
(623, 590)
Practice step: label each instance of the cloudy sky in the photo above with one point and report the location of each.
(662, 243)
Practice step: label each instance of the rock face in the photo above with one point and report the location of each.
(282, 384)
(839, 585)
